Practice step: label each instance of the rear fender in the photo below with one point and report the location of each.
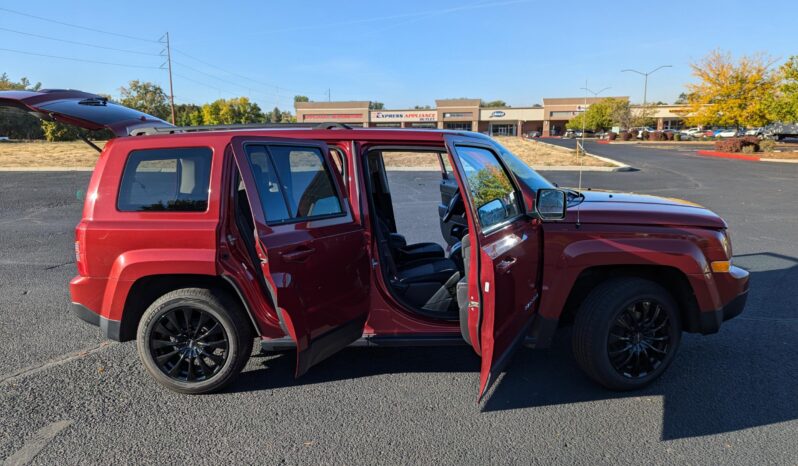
(133, 265)
(563, 266)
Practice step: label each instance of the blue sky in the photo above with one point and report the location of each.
(401, 53)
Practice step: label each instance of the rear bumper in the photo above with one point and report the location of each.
(109, 328)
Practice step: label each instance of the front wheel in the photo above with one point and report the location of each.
(626, 333)
(194, 340)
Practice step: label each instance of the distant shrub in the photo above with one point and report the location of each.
(612, 136)
(626, 135)
(767, 145)
(677, 136)
(669, 135)
(653, 136)
(644, 135)
(738, 144)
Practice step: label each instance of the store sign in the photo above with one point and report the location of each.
(497, 114)
(582, 108)
(458, 115)
(333, 116)
(404, 116)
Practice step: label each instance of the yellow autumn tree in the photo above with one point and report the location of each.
(731, 92)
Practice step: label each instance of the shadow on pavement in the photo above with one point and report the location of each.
(743, 377)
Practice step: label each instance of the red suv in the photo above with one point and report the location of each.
(194, 241)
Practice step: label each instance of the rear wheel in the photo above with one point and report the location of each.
(626, 333)
(194, 340)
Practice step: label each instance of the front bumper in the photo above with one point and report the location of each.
(109, 328)
(734, 283)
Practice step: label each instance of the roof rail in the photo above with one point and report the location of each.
(152, 130)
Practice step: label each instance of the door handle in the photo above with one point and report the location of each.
(299, 254)
(506, 264)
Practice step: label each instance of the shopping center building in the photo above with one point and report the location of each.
(548, 119)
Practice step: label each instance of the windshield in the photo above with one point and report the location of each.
(522, 171)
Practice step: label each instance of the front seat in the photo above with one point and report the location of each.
(404, 253)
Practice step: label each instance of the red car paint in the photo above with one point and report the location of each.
(324, 275)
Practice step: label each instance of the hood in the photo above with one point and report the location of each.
(81, 109)
(608, 207)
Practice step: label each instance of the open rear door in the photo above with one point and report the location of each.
(81, 109)
(505, 256)
(313, 253)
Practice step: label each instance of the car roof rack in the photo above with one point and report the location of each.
(153, 130)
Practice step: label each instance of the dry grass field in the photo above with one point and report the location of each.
(77, 154)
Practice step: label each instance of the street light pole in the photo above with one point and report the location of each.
(645, 82)
(584, 126)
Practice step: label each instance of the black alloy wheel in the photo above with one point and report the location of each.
(639, 339)
(189, 344)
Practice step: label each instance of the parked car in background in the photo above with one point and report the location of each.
(693, 132)
(727, 133)
(758, 132)
(779, 131)
(532, 134)
(3, 138)
(638, 132)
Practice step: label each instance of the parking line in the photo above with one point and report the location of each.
(36, 443)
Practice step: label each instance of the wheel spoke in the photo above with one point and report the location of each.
(176, 367)
(206, 371)
(637, 343)
(165, 357)
(190, 373)
(212, 344)
(218, 360)
(208, 332)
(625, 348)
(202, 319)
(158, 344)
(187, 314)
(170, 316)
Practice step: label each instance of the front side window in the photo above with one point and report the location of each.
(294, 183)
(166, 180)
(490, 189)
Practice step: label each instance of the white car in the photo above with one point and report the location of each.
(693, 132)
(728, 133)
(3, 138)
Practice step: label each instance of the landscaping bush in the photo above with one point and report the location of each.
(653, 136)
(677, 136)
(669, 136)
(644, 135)
(625, 135)
(612, 136)
(749, 149)
(767, 145)
(738, 144)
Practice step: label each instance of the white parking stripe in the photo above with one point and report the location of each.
(36, 443)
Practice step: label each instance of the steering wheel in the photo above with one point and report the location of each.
(455, 206)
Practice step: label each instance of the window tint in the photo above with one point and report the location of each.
(490, 189)
(166, 180)
(293, 183)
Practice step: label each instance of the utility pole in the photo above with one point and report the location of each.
(169, 67)
(584, 126)
(645, 82)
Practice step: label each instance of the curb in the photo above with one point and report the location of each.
(735, 156)
(46, 169)
(619, 166)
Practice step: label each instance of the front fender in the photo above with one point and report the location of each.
(565, 261)
(133, 265)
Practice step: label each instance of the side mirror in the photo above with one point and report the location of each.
(551, 204)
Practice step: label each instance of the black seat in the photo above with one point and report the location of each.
(404, 253)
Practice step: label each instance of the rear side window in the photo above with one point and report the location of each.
(166, 180)
(293, 183)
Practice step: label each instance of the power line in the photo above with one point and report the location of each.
(78, 43)
(97, 62)
(77, 26)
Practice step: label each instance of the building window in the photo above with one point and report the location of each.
(423, 125)
(388, 125)
(459, 126)
(502, 129)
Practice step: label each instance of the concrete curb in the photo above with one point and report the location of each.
(619, 166)
(735, 156)
(46, 169)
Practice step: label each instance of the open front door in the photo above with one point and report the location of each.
(505, 256)
(313, 254)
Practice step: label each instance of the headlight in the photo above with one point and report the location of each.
(725, 242)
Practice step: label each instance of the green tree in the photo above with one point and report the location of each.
(238, 110)
(489, 183)
(275, 116)
(55, 131)
(188, 115)
(146, 97)
(15, 123)
(783, 103)
(603, 115)
(301, 98)
(731, 92)
(493, 103)
(376, 106)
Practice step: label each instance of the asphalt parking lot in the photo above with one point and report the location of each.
(728, 398)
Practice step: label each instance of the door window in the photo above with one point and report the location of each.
(490, 189)
(294, 183)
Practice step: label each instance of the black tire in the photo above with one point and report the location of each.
(618, 306)
(202, 336)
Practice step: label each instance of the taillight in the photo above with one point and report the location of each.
(80, 249)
